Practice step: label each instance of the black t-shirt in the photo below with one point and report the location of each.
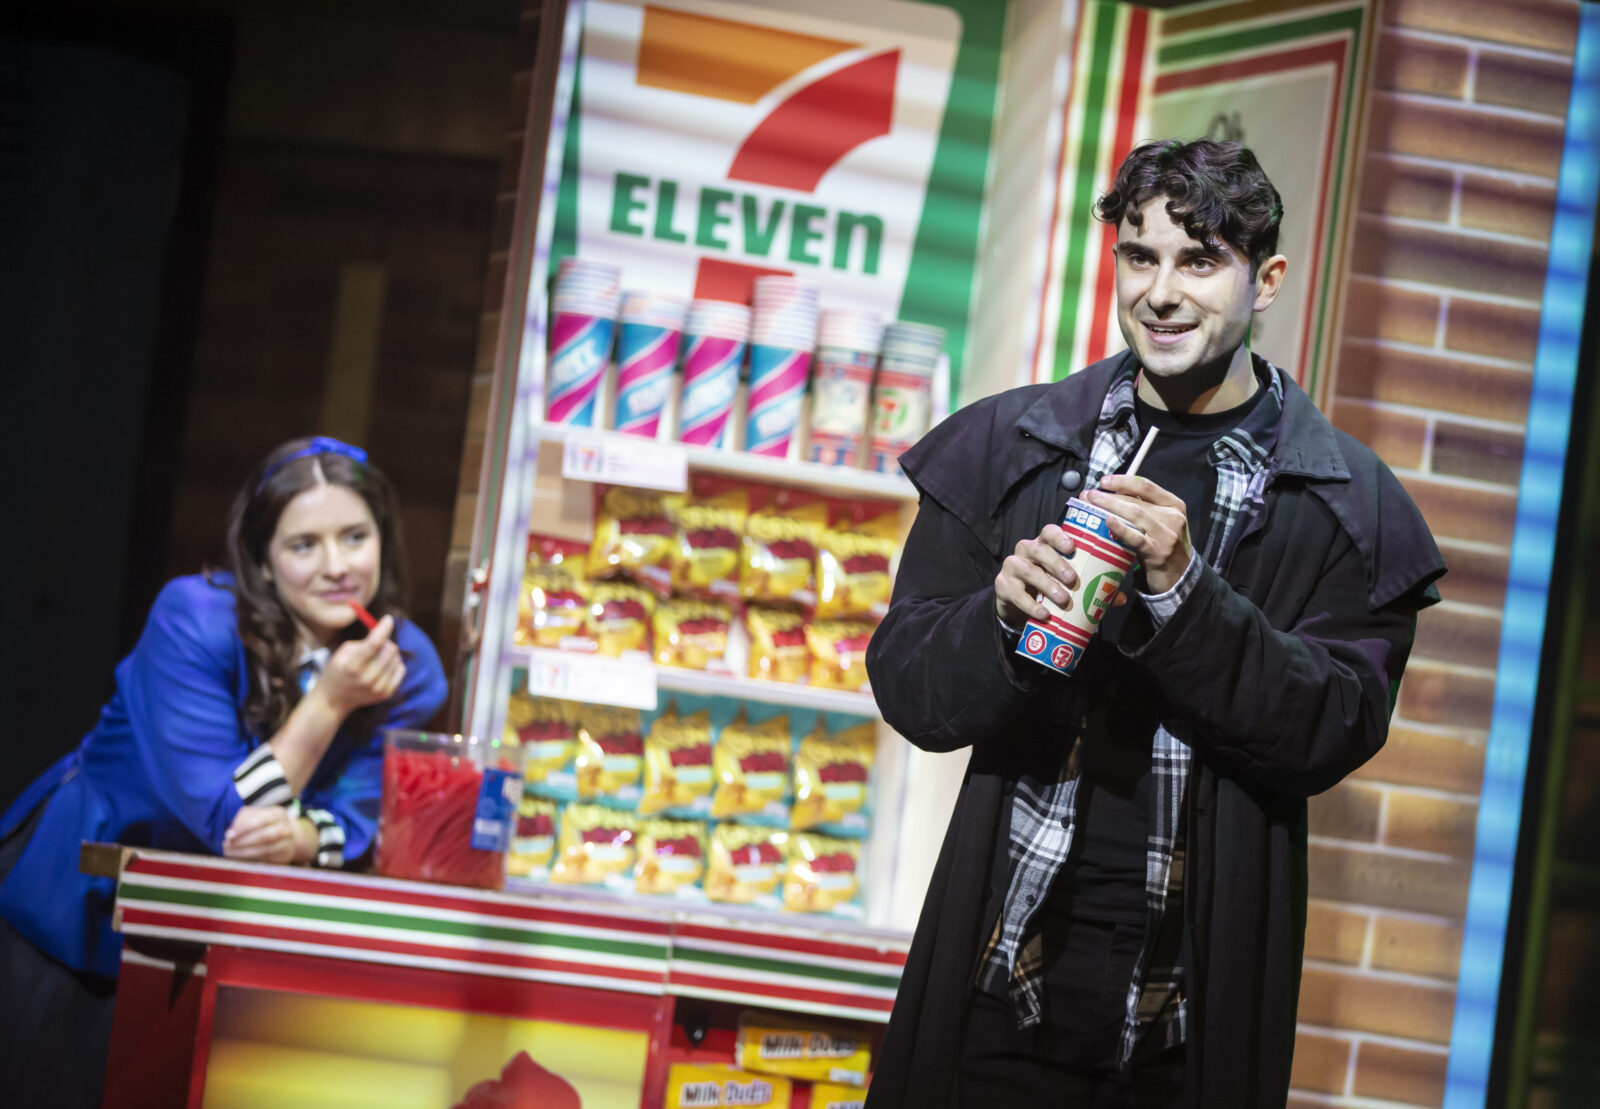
(1104, 877)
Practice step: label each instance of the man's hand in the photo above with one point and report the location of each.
(1150, 520)
(1036, 566)
(268, 834)
(362, 672)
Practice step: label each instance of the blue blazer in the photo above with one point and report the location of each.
(157, 769)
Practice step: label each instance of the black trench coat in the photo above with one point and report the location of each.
(1283, 673)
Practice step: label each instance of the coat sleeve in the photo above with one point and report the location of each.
(941, 670)
(349, 788)
(1296, 709)
(180, 685)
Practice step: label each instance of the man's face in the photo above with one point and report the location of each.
(1184, 304)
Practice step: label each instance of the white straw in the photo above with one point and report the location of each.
(1144, 449)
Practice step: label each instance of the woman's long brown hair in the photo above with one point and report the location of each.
(265, 625)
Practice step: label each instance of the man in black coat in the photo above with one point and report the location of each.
(1117, 915)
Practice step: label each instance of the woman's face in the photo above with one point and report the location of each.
(325, 553)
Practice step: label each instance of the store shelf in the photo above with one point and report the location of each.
(609, 687)
(807, 475)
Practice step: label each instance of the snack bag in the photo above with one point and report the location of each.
(703, 1086)
(744, 865)
(553, 605)
(831, 775)
(838, 653)
(547, 729)
(780, 548)
(821, 874)
(619, 617)
(677, 765)
(533, 844)
(705, 559)
(692, 633)
(751, 765)
(596, 845)
(831, 1095)
(853, 560)
(778, 650)
(797, 1048)
(634, 537)
(610, 758)
(672, 856)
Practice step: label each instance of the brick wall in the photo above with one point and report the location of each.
(1458, 190)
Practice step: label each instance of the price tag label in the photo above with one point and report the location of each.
(624, 460)
(597, 679)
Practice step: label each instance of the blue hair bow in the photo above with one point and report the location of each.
(320, 444)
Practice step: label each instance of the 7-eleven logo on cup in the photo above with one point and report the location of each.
(716, 144)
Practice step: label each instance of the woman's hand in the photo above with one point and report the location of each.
(362, 672)
(268, 834)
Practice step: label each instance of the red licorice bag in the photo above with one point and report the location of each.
(445, 818)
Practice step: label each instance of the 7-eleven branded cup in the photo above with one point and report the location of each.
(841, 384)
(715, 334)
(1101, 562)
(583, 312)
(782, 335)
(648, 337)
(902, 396)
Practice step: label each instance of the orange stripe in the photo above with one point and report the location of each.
(723, 59)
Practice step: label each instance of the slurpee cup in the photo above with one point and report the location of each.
(715, 340)
(782, 334)
(1101, 562)
(647, 352)
(902, 397)
(841, 385)
(583, 312)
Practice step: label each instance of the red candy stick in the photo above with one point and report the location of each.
(363, 615)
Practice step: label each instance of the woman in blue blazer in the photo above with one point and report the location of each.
(247, 722)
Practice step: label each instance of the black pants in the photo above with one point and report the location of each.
(55, 1022)
(1069, 1059)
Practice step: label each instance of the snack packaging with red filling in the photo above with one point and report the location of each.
(610, 759)
(778, 649)
(692, 633)
(710, 523)
(831, 778)
(672, 857)
(596, 846)
(533, 844)
(745, 865)
(822, 875)
(853, 560)
(678, 766)
(448, 809)
(838, 653)
(751, 763)
(635, 537)
(553, 605)
(780, 548)
(547, 731)
(619, 617)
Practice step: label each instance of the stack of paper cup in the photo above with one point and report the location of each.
(841, 384)
(714, 337)
(903, 395)
(583, 311)
(783, 332)
(651, 326)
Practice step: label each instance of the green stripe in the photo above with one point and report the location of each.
(779, 966)
(944, 254)
(1335, 230)
(1229, 42)
(1086, 162)
(333, 915)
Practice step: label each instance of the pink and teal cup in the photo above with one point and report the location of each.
(715, 334)
(650, 333)
(783, 334)
(583, 312)
(1102, 563)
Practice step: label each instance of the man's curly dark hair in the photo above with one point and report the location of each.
(1216, 190)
